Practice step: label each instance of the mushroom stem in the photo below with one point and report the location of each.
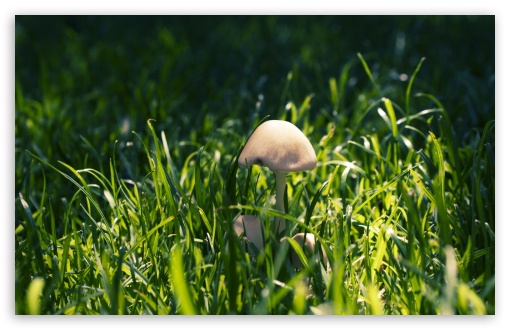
(253, 231)
(280, 191)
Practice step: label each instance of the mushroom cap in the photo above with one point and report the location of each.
(307, 249)
(280, 146)
(252, 228)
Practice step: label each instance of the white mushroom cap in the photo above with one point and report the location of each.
(307, 249)
(280, 146)
(252, 228)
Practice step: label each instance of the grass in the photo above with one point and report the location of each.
(137, 219)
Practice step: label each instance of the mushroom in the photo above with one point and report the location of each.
(252, 228)
(308, 248)
(282, 147)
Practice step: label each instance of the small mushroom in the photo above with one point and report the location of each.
(308, 248)
(252, 228)
(282, 147)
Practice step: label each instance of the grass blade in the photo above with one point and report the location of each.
(180, 284)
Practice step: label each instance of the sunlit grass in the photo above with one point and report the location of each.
(128, 182)
(404, 212)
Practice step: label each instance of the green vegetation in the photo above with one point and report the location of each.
(128, 131)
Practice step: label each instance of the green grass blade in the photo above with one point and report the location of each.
(34, 293)
(439, 192)
(391, 114)
(180, 284)
(367, 70)
(410, 84)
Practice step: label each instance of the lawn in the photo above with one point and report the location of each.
(128, 132)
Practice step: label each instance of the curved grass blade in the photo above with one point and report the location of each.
(367, 70)
(411, 81)
(82, 189)
(380, 190)
(315, 199)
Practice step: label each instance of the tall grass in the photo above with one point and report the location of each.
(403, 207)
